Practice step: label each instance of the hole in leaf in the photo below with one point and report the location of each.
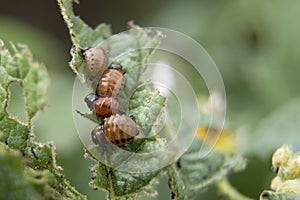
(16, 102)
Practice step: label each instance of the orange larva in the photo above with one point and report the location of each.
(96, 59)
(112, 81)
(102, 106)
(118, 129)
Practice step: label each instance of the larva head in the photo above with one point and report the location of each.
(90, 99)
(116, 66)
(98, 136)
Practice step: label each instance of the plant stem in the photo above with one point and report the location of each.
(227, 189)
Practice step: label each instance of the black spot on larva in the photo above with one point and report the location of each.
(117, 141)
(123, 140)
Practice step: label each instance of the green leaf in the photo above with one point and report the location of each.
(146, 105)
(41, 155)
(120, 179)
(131, 49)
(176, 183)
(120, 184)
(38, 172)
(13, 132)
(22, 182)
(14, 184)
(33, 78)
(82, 35)
(199, 173)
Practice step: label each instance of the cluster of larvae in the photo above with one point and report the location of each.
(117, 127)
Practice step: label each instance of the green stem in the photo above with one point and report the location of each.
(227, 189)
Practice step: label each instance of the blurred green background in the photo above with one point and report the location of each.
(255, 44)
